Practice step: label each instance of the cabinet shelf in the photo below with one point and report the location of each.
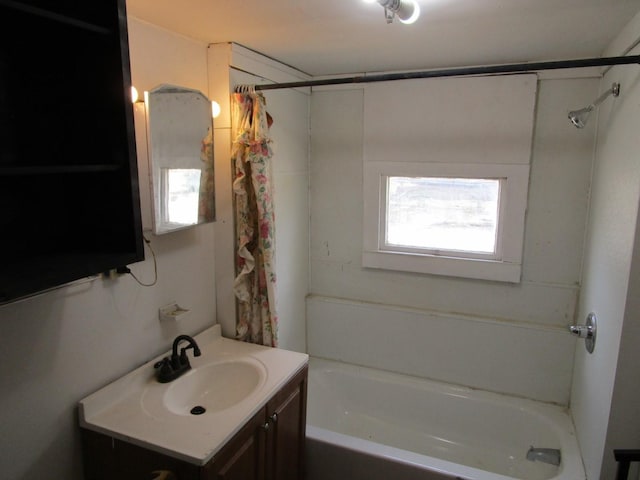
(56, 17)
(56, 169)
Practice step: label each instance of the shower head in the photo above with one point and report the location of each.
(579, 117)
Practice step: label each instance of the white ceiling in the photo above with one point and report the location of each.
(323, 37)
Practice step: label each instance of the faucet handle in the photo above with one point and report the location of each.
(163, 366)
(161, 363)
(184, 360)
(581, 331)
(588, 332)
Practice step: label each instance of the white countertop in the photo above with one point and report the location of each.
(130, 408)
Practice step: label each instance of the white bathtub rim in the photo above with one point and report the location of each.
(406, 457)
(546, 411)
(557, 417)
(452, 388)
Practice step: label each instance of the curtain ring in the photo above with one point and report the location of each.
(245, 89)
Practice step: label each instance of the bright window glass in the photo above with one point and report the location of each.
(442, 214)
(182, 194)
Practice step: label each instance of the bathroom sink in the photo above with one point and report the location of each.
(191, 417)
(213, 387)
(207, 388)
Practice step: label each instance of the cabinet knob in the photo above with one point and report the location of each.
(274, 417)
(266, 426)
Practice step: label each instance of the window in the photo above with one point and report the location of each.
(447, 219)
(434, 215)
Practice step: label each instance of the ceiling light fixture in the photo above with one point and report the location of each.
(407, 11)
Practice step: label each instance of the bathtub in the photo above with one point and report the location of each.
(366, 424)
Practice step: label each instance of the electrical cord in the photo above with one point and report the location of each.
(155, 267)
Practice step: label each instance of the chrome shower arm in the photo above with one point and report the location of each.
(579, 117)
(614, 90)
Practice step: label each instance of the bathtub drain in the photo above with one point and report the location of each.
(544, 455)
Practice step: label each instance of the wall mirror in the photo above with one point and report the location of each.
(180, 141)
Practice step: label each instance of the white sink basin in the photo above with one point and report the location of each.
(213, 387)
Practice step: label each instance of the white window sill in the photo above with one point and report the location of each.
(495, 270)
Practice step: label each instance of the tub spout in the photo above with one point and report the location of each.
(544, 455)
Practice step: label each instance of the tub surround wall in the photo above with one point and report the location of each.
(58, 347)
(461, 350)
(229, 65)
(604, 397)
(543, 304)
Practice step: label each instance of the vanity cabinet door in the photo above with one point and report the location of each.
(107, 458)
(286, 416)
(271, 445)
(242, 458)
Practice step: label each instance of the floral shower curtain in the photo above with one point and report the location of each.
(255, 282)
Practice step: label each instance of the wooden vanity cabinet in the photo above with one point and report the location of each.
(270, 446)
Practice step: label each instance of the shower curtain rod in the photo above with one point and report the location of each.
(459, 72)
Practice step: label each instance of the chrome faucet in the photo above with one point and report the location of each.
(170, 368)
(544, 455)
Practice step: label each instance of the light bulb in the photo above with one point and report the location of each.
(215, 109)
(134, 94)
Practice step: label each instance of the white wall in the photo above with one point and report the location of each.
(229, 65)
(59, 347)
(457, 312)
(290, 130)
(605, 391)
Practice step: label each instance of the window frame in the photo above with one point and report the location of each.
(505, 265)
